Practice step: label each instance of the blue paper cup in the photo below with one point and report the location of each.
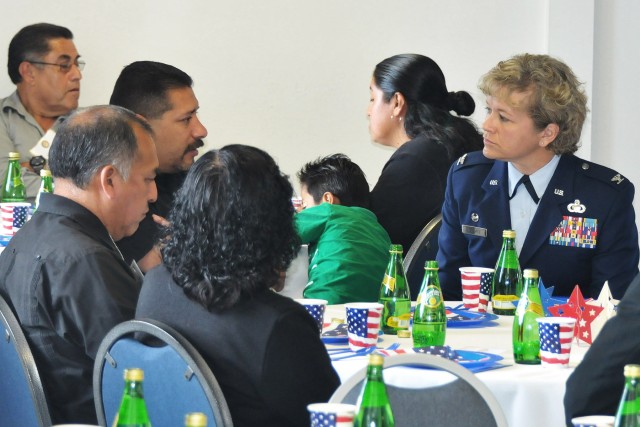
(315, 307)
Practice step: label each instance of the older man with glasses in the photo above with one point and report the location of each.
(46, 68)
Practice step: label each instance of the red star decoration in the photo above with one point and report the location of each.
(573, 308)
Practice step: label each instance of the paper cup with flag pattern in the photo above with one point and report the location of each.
(556, 335)
(14, 215)
(363, 324)
(331, 414)
(476, 287)
(315, 307)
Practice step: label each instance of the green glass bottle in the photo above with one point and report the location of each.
(430, 317)
(628, 414)
(394, 295)
(133, 410)
(526, 336)
(46, 184)
(195, 419)
(13, 187)
(507, 279)
(373, 408)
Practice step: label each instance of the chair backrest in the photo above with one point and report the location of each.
(22, 400)
(447, 394)
(423, 248)
(177, 380)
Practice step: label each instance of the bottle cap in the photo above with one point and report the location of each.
(632, 371)
(45, 172)
(376, 359)
(404, 333)
(509, 233)
(133, 374)
(431, 265)
(530, 273)
(395, 248)
(195, 419)
(14, 156)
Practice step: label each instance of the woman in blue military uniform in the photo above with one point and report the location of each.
(574, 219)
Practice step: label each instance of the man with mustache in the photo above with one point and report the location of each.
(163, 95)
(45, 66)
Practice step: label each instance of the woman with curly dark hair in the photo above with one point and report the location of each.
(231, 234)
(410, 110)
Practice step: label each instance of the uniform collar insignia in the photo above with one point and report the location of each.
(617, 179)
(462, 159)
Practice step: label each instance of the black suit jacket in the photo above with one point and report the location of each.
(595, 387)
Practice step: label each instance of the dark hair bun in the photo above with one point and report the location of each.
(461, 102)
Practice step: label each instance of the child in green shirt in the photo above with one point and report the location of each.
(348, 248)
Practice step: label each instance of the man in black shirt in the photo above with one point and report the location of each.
(162, 94)
(62, 273)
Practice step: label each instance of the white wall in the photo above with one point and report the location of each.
(289, 76)
(292, 76)
(616, 91)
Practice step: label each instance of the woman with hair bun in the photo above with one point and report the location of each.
(410, 110)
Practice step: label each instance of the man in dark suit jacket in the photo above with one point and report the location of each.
(574, 220)
(595, 387)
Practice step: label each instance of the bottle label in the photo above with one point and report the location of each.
(534, 307)
(399, 322)
(432, 297)
(504, 302)
(389, 282)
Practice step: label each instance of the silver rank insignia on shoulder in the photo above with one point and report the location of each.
(617, 179)
(493, 182)
(576, 207)
(474, 217)
(462, 159)
(559, 192)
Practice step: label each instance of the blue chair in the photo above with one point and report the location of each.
(177, 380)
(22, 400)
(449, 394)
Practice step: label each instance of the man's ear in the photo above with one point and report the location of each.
(109, 178)
(26, 70)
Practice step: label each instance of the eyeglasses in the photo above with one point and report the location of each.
(64, 68)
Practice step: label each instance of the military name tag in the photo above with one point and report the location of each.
(575, 231)
(474, 231)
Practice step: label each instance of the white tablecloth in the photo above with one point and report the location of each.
(530, 395)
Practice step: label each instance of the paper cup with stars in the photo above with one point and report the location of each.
(315, 307)
(331, 414)
(363, 324)
(476, 287)
(556, 335)
(14, 215)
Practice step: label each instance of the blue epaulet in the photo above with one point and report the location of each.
(603, 174)
(471, 159)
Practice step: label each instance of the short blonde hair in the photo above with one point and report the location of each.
(556, 97)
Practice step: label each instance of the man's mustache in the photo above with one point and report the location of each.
(197, 144)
